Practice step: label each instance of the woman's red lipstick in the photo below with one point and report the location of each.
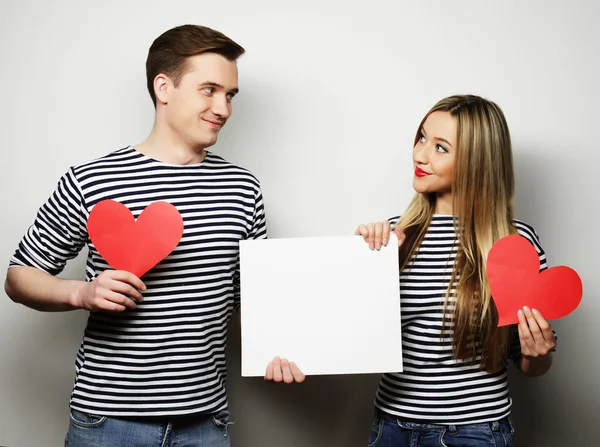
(420, 173)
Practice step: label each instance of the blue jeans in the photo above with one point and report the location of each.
(88, 430)
(388, 431)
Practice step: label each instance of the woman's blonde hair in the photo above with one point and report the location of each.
(482, 202)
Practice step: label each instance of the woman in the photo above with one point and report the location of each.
(453, 389)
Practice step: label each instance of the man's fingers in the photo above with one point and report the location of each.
(129, 278)
(269, 371)
(125, 289)
(121, 282)
(277, 375)
(107, 306)
(298, 375)
(118, 299)
(285, 369)
(282, 370)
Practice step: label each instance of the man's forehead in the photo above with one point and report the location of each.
(210, 62)
(210, 67)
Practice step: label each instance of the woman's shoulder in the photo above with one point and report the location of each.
(394, 220)
(529, 233)
(526, 230)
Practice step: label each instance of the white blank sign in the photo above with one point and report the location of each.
(327, 303)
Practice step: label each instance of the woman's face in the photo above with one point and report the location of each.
(433, 156)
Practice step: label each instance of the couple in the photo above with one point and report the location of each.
(150, 370)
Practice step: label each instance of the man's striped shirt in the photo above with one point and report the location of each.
(166, 356)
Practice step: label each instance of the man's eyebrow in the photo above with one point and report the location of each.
(217, 85)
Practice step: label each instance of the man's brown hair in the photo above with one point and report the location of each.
(168, 54)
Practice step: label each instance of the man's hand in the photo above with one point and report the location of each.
(279, 370)
(111, 291)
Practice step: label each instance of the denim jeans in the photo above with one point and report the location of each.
(88, 430)
(388, 431)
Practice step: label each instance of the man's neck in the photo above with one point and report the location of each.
(168, 150)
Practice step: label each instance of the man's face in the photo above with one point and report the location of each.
(197, 109)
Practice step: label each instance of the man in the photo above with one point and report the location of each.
(151, 366)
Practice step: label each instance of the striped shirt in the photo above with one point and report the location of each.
(434, 386)
(167, 356)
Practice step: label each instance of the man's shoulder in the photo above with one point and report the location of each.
(218, 162)
(114, 158)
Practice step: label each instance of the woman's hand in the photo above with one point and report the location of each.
(377, 234)
(537, 342)
(535, 333)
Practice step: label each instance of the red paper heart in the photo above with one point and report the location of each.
(515, 281)
(133, 246)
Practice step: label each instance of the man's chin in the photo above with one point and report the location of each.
(207, 142)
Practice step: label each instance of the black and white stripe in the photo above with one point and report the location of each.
(167, 356)
(434, 387)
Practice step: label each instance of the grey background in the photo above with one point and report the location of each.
(331, 94)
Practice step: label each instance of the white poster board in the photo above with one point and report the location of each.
(327, 303)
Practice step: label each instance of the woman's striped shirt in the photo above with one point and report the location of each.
(434, 386)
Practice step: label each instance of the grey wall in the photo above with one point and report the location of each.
(331, 94)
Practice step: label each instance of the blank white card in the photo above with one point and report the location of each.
(327, 303)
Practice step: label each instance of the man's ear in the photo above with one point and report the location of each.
(162, 88)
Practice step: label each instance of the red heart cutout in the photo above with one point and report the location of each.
(133, 246)
(513, 272)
